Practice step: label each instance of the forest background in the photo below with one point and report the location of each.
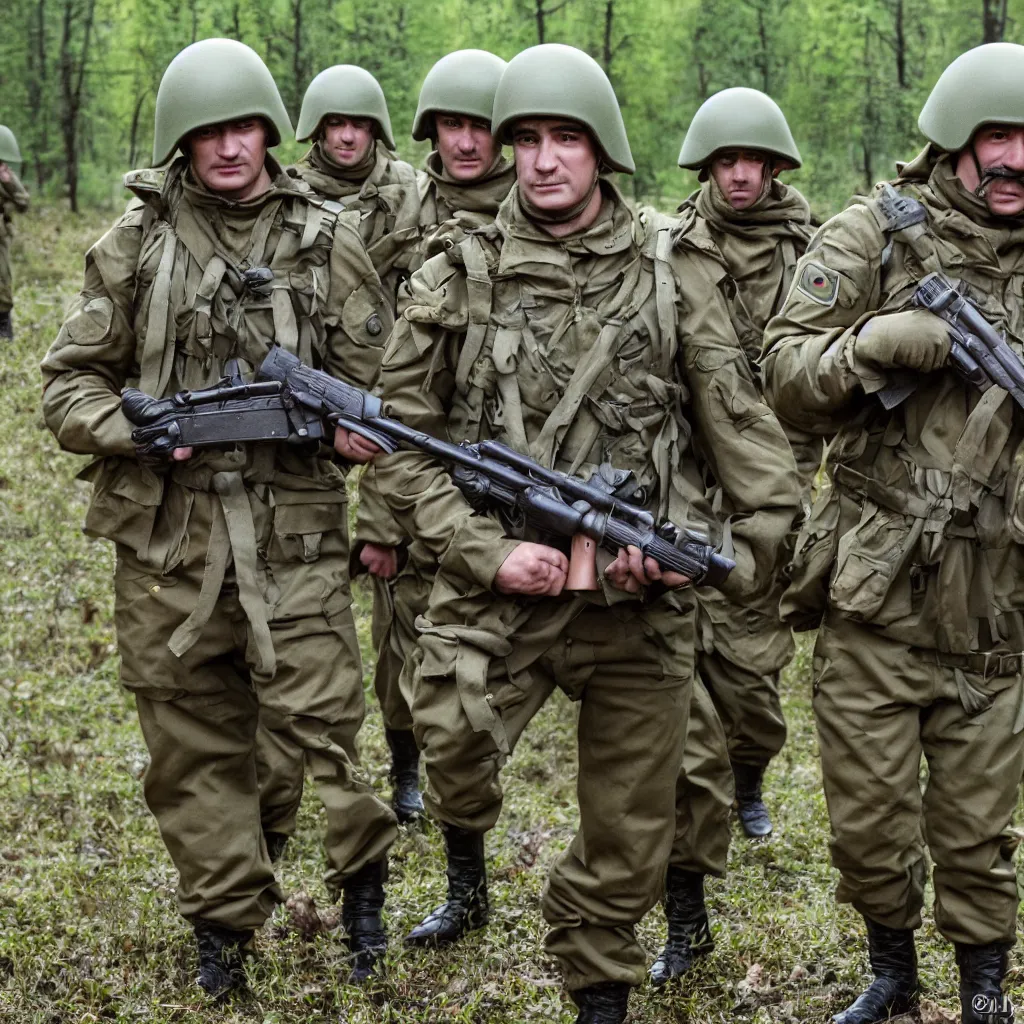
(78, 78)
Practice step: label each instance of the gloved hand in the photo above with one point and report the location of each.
(914, 338)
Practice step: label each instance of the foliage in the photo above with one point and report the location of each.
(88, 927)
(78, 77)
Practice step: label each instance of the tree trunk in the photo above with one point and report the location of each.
(606, 51)
(133, 135)
(539, 16)
(72, 78)
(762, 34)
(37, 89)
(868, 127)
(900, 45)
(993, 20)
(298, 76)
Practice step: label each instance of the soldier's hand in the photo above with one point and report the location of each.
(5, 173)
(380, 561)
(914, 338)
(533, 569)
(181, 454)
(354, 447)
(630, 571)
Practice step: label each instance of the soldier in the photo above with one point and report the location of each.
(466, 179)
(918, 540)
(232, 597)
(345, 116)
(561, 330)
(466, 175)
(13, 197)
(753, 228)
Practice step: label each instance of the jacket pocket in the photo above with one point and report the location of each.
(803, 602)
(868, 560)
(125, 500)
(299, 530)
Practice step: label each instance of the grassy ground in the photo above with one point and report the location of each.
(88, 929)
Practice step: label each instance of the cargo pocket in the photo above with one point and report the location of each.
(803, 602)
(299, 530)
(126, 497)
(462, 655)
(868, 560)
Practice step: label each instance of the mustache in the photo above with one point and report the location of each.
(997, 172)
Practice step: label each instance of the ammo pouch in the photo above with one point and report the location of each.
(803, 602)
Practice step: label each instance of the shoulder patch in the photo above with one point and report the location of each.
(148, 179)
(819, 284)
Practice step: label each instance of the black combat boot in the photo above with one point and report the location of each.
(405, 774)
(982, 969)
(689, 934)
(362, 900)
(604, 1003)
(750, 807)
(895, 990)
(466, 908)
(220, 958)
(276, 842)
(6, 327)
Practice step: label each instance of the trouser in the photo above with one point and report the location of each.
(631, 672)
(396, 605)
(704, 791)
(743, 651)
(879, 705)
(199, 717)
(6, 280)
(280, 762)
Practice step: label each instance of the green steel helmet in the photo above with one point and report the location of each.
(464, 82)
(347, 90)
(9, 152)
(737, 118)
(982, 86)
(554, 80)
(212, 81)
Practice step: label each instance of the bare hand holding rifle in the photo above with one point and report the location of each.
(295, 404)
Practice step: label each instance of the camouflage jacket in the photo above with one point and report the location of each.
(755, 252)
(605, 346)
(388, 201)
(921, 534)
(13, 199)
(163, 307)
(448, 210)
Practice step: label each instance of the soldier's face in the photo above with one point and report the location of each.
(740, 174)
(996, 146)
(556, 163)
(465, 145)
(347, 139)
(229, 158)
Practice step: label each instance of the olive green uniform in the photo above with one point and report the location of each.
(13, 199)
(448, 210)
(579, 350)
(232, 596)
(742, 648)
(919, 544)
(385, 191)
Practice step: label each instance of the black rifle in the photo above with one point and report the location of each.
(291, 402)
(978, 352)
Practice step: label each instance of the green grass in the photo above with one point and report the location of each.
(88, 927)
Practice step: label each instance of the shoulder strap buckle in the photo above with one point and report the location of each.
(896, 212)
